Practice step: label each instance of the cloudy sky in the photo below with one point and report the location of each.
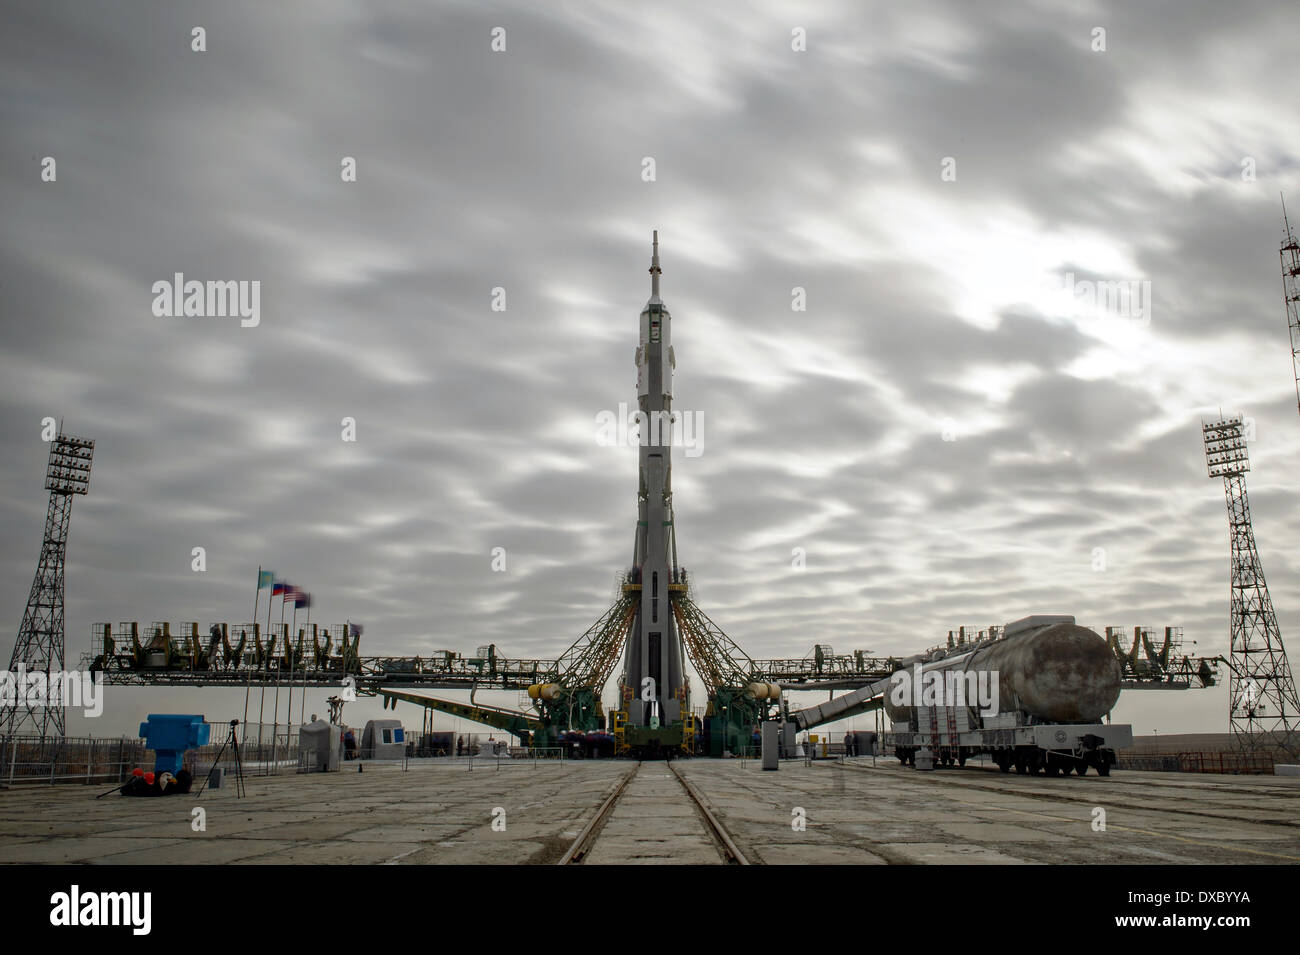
(946, 432)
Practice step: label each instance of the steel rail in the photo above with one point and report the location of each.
(731, 852)
(587, 837)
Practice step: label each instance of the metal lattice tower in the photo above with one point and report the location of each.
(1290, 256)
(1264, 712)
(717, 658)
(39, 647)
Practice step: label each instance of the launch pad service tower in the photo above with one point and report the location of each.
(654, 666)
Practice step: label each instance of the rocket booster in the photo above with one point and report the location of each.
(654, 664)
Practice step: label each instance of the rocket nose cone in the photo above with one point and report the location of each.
(654, 269)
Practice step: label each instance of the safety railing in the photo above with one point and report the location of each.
(513, 757)
(32, 760)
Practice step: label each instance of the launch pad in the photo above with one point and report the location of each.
(438, 812)
(653, 627)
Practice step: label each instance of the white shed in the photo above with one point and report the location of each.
(383, 739)
(320, 747)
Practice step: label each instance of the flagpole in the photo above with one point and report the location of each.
(302, 703)
(288, 652)
(248, 686)
(261, 706)
(288, 708)
(275, 724)
(275, 728)
(258, 595)
(292, 655)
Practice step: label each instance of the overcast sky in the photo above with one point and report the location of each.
(930, 175)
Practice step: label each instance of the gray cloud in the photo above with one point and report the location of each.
(824, 428)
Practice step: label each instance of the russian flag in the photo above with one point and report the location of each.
(278, 589)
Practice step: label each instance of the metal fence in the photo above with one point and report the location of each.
(269, 751)
(471, 744)
(1228, 763)
(69, 759)
(263, 750)
(511, 757)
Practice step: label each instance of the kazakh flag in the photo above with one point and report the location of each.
(265, 579)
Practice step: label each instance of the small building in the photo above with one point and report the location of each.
(383, 739)
(320, 747)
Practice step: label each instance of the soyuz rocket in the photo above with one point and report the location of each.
(654, 663)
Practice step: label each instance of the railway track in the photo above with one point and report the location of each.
(717, 834)
(577, 852)
(722, 839)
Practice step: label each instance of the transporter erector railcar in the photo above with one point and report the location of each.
(1033, 699)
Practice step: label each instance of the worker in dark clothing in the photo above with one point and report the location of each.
(460, 745)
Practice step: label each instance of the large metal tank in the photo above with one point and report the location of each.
(1062, 673)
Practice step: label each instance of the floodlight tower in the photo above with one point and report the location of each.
(39, 647)
(1289, 253)
(1263, 711)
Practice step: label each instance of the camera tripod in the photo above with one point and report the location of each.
(232, 741)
